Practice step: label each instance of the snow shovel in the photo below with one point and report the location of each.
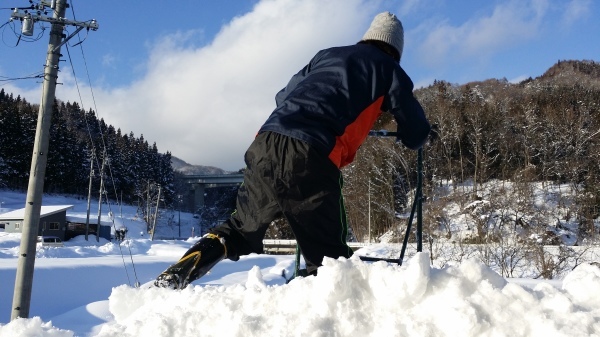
(416, 207)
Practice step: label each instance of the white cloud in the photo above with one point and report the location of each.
(509, 24)
(203, 98)
(30, 95)
(576, 10)
(205, 104)
(108, 60)
(409, 7)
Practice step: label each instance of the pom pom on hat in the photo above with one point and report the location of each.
(386, 28)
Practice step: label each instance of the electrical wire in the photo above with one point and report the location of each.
(102, 136)
(104, 147)
(39, 74)
(3, 30)
(13, 8)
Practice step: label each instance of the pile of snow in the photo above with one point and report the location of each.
(351, 298)
(347, 298)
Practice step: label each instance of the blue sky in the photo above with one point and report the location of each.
(199, 77)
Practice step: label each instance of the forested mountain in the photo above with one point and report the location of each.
(76, 139)
(184, 168)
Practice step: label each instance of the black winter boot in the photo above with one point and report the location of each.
(195, 263)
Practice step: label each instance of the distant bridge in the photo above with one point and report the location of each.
(201, 182)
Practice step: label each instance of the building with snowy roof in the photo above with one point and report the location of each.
(52, 221)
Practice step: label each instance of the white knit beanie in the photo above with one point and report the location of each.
(387, 28)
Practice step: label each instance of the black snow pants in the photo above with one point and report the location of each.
(286, 177)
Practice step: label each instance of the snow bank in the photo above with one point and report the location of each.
(352, 298)
(32, 328)
(348, 298)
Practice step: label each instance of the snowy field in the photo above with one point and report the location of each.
(87, 288)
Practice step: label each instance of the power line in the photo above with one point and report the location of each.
(110, 169)
(104, 148)
(28, 77)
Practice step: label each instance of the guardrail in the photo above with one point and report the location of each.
(289, 246)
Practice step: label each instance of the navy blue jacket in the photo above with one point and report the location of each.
(333, 102)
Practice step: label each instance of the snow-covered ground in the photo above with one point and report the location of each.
(87, 288)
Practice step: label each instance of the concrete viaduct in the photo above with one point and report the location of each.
(201, 182)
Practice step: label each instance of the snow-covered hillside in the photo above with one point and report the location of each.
(87, 288)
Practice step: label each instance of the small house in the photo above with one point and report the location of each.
(52, 221)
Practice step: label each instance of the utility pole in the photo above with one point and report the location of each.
(100, 197)
(148, 207)
(179, 199)
(156, 214)
(35, 189)
(89, 199)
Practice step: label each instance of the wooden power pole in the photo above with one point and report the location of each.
(89, 198)
(155, 214)
(100, 197)
(35, 189)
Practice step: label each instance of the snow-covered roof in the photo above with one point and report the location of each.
(45, 211)
(93, 220)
